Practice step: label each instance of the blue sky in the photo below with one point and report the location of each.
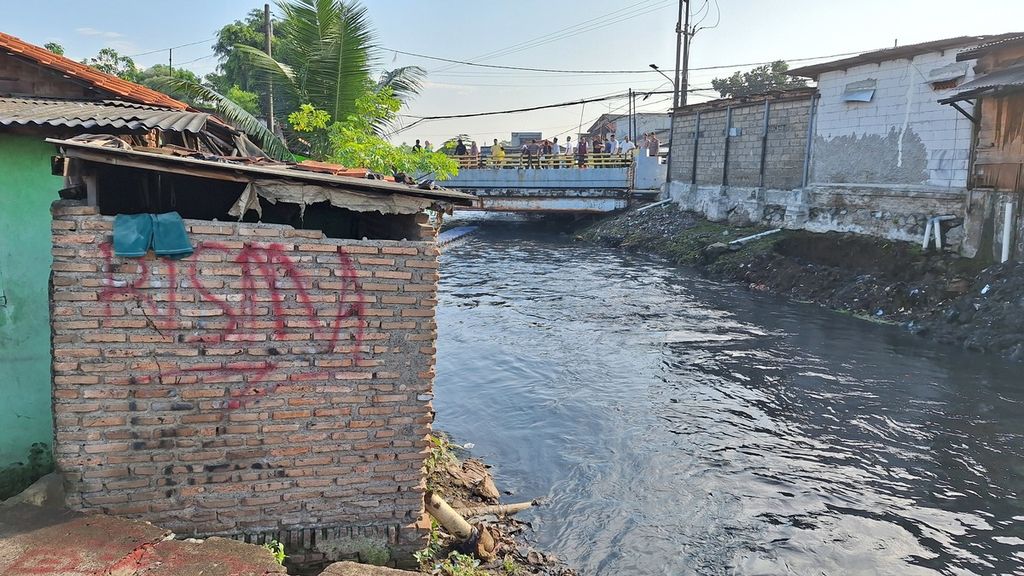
(573, 34)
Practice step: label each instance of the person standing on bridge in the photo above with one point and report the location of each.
(533, 154)
(474, 154)
(497, 154)
(627, 146)
(570, 148)
(581, 153)
(417, 147)
(460, 148)
(654, 148)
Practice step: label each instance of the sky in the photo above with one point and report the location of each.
(561, 34)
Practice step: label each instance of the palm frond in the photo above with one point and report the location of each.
(229, 111)
(405, 82)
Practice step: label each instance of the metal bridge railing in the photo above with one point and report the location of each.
(598, 160)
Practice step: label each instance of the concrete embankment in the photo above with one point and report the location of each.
(953, 300)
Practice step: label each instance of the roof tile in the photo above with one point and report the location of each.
(111, 84)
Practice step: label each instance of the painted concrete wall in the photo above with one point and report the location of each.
(649, 173)
(875, 211)
(902, 138)
(26, 191)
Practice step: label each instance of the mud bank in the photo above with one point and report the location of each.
(941, 296)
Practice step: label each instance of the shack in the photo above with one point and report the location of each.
(241, 347)
(46, 95)
(994, 104)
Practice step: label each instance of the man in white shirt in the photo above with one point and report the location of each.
(615, 144)
(570, 148)
(626, 146)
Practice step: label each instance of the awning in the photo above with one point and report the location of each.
(1011, 78)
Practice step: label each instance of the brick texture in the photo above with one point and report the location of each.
(275, 382)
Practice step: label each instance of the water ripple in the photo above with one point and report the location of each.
(679, 426)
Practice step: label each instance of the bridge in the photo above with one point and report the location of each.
(605, 183)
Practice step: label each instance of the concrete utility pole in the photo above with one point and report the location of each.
(682, 54)
(170, 60)
(681, 81)
(268, 32)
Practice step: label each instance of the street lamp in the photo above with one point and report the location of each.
(658, 70)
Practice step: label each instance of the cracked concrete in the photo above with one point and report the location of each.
(57, 542)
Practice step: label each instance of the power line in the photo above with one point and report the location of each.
(171, 48)
(552, 36)
(542, 107)
(598, 72)
(596, 26)
(197, 59)
(498, 66)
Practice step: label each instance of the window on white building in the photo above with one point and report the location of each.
(863, 91)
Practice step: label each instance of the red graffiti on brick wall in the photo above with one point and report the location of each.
(269, 283)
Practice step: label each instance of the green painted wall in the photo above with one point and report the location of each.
(26, 191)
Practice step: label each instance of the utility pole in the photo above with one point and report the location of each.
(682, 46)
(170, 61)
(629, 115)
(680, 85)
(268, 33)
(684, 82)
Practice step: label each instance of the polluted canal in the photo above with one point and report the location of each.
(676, 425)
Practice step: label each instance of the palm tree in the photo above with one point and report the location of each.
(324, 53)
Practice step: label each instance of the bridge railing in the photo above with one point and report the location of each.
(595, 160)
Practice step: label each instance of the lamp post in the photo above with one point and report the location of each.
(658, 70)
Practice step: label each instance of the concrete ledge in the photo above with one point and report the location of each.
(353, 569)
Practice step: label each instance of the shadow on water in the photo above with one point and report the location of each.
(681, 426)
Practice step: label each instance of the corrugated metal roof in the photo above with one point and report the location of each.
(897, 53)
(977, 51)
(106, 114)
(227, 169)
(1012, 77)
(98, 80)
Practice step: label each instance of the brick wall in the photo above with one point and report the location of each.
(276, 383)
(784, 149)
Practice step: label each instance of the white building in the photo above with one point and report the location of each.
(878, 121)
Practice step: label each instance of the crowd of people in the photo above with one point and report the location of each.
(547, 153)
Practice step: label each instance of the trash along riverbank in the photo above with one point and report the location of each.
(472, 532)
(952, 300)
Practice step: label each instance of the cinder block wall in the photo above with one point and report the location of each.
(784, 149)
(902, 137)
(275, 384)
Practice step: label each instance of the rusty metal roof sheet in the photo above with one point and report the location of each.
(228, 169)
(1006, 78)
(110, 114)
(91, 76)
(897, 53)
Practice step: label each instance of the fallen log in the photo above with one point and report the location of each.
(497, 509)
(476, 539)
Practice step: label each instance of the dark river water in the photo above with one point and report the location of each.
(677, 425)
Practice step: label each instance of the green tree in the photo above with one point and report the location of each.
(323, 54)
(757, 81)
(54, 47)
(110, 61)
(249, 101)
(152, 78)
(233, 70)
(355, 141)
